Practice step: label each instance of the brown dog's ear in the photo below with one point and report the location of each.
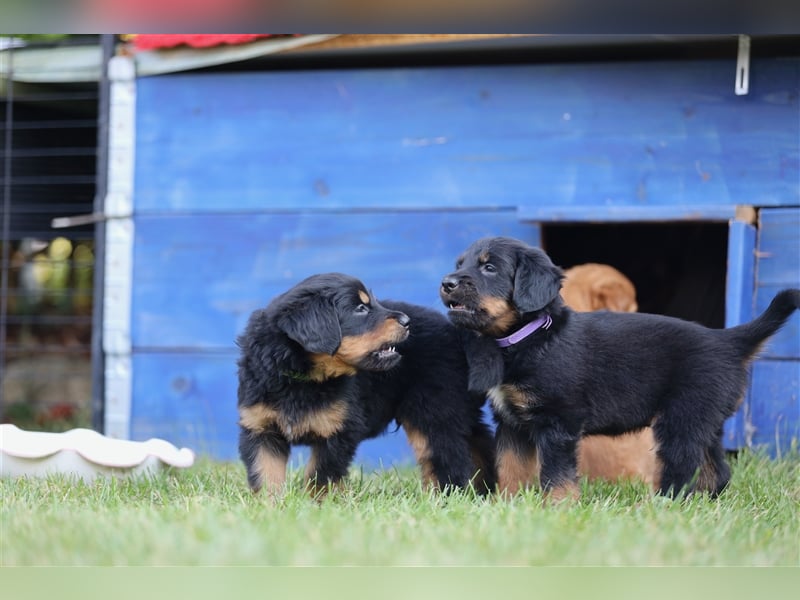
(537, 280)
(613, 294)
(311, 321)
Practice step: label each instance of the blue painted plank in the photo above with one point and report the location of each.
(779, 216)
(186, 399)
(779, 247)
(739, 294)
(189, 399)
(775, 404)
(197, 278)
(778, 260)
(613, 134)
(740, 275)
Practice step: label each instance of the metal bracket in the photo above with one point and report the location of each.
(743, 66)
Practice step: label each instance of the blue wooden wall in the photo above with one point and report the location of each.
(247, 182)
(198, 277)
(774, 400)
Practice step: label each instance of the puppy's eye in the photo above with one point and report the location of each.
(362, 309)
(459, 263)
(489, 268)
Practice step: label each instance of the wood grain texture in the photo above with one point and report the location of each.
(601, 134)
(197, 278)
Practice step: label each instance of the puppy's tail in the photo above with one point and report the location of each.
(749, 337)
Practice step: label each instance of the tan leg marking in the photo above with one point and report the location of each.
(311, 465)
(559, 493)
(271, 470)
(516, 471)
(422, 451)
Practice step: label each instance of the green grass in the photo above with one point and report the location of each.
(206, 516)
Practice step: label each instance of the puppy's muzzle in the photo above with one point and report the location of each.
(452, 282)
(402, 318)
(449, 283)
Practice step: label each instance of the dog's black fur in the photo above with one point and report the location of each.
(597, 373)
(318, 367)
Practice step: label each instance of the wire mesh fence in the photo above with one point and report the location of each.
(48, 166)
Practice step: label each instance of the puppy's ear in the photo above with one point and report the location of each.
(537, 280)
(312, 323)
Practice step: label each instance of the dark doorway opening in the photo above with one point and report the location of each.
(679, 269)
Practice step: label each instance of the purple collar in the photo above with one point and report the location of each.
(520, 334)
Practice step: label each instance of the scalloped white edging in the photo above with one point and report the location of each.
(83, 453)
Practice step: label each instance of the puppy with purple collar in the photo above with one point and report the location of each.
(554, 375)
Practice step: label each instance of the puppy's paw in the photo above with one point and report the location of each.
(565, 493)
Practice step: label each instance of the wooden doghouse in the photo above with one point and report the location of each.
(674, 159)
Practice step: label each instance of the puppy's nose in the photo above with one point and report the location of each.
(403, 319)
(449, 283)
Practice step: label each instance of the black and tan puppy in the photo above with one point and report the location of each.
(328, 366)
(554, 375)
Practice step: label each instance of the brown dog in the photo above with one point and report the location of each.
(593, 286)
(586, 288)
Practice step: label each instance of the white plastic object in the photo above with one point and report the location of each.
(84, 453)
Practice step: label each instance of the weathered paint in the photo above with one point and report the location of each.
(608, 134)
